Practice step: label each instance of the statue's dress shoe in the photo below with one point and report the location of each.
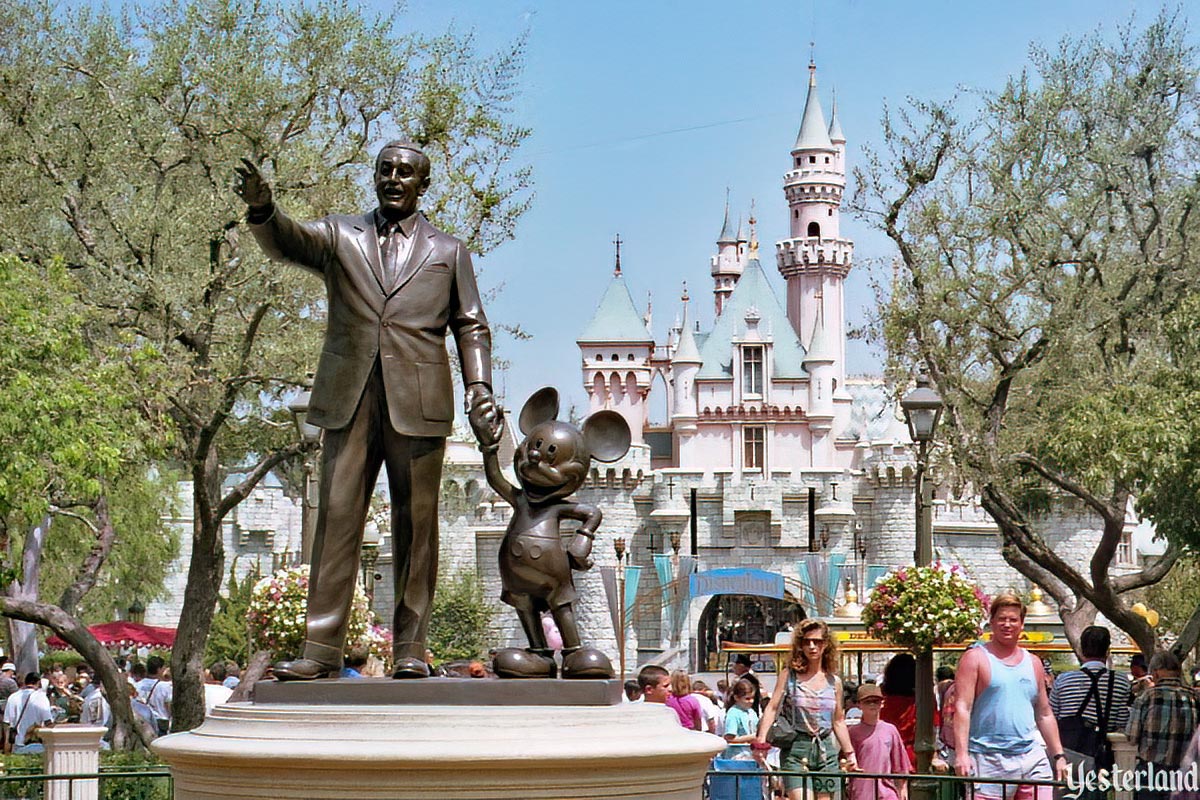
(304, 669)
(587, 663)
(512, 662)
(409, 667)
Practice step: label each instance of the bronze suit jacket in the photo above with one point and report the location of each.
(403, 325)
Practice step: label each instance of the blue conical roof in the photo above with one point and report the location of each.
(727, 235)
(814, 134)
(835, 125)
(752, 290)
(616, 318)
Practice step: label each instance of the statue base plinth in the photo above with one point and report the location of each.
(493, 747)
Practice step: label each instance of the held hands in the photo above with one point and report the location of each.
(485, 416)
(251, 186)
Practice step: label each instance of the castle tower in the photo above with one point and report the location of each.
(685, 363)
(816, 260)
(616, 348)
(728, 263)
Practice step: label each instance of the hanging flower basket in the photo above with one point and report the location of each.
(918, 608)
(278, 604)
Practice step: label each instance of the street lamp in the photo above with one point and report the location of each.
(370, 555)
(922, 411)
(308, 433)
(619, 548)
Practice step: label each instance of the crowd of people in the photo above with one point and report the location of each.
(1002, 715)
(42, 700)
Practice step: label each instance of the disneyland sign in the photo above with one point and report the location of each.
(737, 581)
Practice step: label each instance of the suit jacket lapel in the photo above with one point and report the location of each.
(422, 248)
(368, 242)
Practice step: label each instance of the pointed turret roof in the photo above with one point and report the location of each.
(814, 135)
(686, 352)
(819, 350)
(616, 318)
(727, 235)
(753, 290)
(741, 234)
(835, 125)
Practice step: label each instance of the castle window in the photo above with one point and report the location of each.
(1125, 548)
(752, 371)
(629, 357)
(754, 440)
(812, 159)
(600, 356)
(814, 229)
(830, 212)
(796, 213)
(799, 162)
(826, 159)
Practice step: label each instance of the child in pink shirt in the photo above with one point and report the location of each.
(878, 748)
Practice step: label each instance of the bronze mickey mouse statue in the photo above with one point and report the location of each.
(535, 568)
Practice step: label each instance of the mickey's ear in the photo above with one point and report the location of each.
(606, 434)
(542, 406)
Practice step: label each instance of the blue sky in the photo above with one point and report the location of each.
(643, 113)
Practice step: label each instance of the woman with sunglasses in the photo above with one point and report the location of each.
(811, 684)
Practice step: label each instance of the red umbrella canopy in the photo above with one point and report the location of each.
(121, 633)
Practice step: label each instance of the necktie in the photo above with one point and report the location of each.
(391, 255)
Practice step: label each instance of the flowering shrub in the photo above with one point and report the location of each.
(278, 604)
(920, 607)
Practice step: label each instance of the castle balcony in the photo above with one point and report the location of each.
(814, 174)
(795, 256)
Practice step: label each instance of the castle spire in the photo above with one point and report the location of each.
(835, 126)
(727, 236)
(814, 133)
(617, 268)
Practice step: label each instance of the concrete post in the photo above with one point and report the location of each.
(72, 750)
(1125, 755)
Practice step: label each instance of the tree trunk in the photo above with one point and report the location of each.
(199, 598)
(250, 676)
(24, 634)
(127, 734)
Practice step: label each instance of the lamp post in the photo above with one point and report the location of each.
(369, 557)
(619, 547)
(922, 411)
(308, 504)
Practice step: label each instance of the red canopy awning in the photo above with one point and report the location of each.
(119, 633)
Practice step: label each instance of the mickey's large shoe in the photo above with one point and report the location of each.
(304, 669)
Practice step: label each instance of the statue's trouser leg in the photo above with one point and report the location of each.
(414, 466)
(350, 460)
(564, 618)
(531, 622)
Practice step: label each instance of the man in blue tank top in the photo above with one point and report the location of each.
(1001, 700)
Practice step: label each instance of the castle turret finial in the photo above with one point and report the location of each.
(617, 268)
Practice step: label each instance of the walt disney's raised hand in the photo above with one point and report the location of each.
(251, 186)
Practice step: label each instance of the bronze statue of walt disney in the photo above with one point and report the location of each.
(395, 287)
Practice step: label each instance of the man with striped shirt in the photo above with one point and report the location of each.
(1073, 695)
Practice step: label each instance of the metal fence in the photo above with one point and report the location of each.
(152, 783)
(746, 780)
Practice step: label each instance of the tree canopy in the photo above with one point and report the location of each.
(1046, 234)
(118, 138)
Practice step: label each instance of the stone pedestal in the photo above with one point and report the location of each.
(466, 739)
(72, 750)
